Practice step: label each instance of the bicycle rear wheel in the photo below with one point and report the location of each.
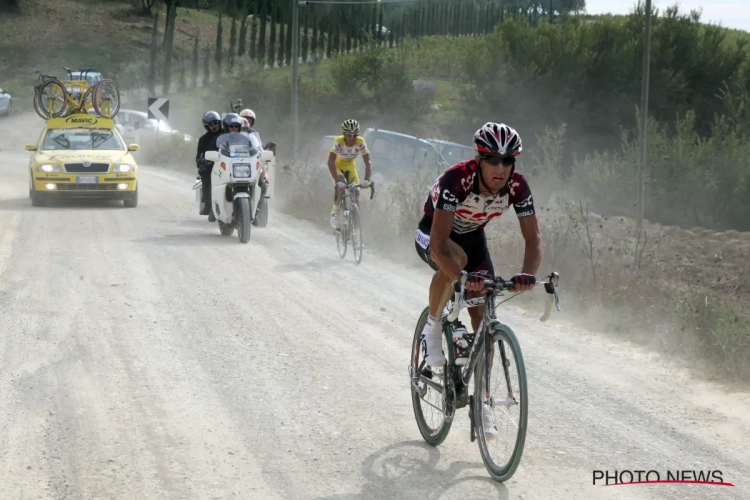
(356, 233)
(512, 396)
(428, 389)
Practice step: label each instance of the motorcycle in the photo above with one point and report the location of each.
(239, 177)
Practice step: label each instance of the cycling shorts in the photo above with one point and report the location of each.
(474, 244)
(349, 171)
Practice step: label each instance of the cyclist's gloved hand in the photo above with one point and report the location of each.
(523, 282)
(340, 185)
(366, 183)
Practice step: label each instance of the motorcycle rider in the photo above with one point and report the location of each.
(207, 142)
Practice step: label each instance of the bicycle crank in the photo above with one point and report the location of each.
(472, 430)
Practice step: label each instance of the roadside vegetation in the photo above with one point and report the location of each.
(570, 85)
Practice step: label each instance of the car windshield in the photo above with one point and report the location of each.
(456, 154)
(77, 139)
(77, 75)
(236, 145)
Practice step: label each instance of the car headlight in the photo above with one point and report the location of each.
(123, 167)
(241, 170)
(48, 168)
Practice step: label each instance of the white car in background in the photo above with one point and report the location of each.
(6, 102)
(135, 126)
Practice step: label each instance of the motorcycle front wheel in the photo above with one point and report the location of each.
(244, 221)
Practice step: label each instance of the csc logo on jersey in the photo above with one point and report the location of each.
(448, 196)
(435, 192)
(525, 203)
(467, 182)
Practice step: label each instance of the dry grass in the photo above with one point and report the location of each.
(683, 293)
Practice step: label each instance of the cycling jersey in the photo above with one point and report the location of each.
(346, 156)
(457, 190)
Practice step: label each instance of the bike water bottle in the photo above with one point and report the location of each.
(462, 340)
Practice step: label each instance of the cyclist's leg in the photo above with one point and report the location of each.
(354, 177)
(440, 292)
(342, 176)
(479, 261)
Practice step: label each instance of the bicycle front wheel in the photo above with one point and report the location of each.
(503, 404)
(356, 233)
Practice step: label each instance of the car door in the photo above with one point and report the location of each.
(4, 101)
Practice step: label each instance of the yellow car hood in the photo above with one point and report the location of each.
(83, 155)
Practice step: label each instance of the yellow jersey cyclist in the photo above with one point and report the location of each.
(342, 164)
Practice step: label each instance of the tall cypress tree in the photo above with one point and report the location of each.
(289, 34)
(305, 36)
(283, 30)
(272, 39)
(314, 47)
(262, 35)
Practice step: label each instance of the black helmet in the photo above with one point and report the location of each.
(210, 117)
(232, 119)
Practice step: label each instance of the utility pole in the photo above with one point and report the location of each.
(295, 72)
(644, 115)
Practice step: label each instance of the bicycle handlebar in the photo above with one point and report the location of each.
(371, 187)
(497, 285)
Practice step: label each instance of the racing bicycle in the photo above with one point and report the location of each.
(450, 383)
(350, 222)
(52, 99)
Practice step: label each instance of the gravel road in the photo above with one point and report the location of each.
(143, 355)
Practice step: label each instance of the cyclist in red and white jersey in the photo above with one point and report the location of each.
(450, 237)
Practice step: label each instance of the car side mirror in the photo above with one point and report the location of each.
(271, 146)
(30, 147)
(211, 155)
(133, 147)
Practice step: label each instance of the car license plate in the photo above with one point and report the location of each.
(87, 180)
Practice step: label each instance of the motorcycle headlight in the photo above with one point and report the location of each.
(48, 168)
(241, 170)
(123, 167)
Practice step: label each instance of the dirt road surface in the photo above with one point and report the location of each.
(143, 355)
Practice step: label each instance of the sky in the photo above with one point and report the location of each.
(727, 13)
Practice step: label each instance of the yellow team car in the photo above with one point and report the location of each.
(82, 156)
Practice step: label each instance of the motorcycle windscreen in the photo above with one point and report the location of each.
(236, 145)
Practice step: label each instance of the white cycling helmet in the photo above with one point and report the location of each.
(248, 113)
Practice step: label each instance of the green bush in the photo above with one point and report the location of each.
(378, 81)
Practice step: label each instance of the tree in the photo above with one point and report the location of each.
(146, 5)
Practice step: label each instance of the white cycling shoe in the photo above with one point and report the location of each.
(334, 219)
(432, 346)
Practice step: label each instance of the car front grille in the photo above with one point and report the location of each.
(94, 168)
(86, 187)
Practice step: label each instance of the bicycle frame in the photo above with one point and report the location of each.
(493, 289)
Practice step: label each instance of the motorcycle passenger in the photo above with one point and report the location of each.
(249, 115)
(207, 142)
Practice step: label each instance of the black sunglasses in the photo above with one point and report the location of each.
(214, 123)
(497, 160)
